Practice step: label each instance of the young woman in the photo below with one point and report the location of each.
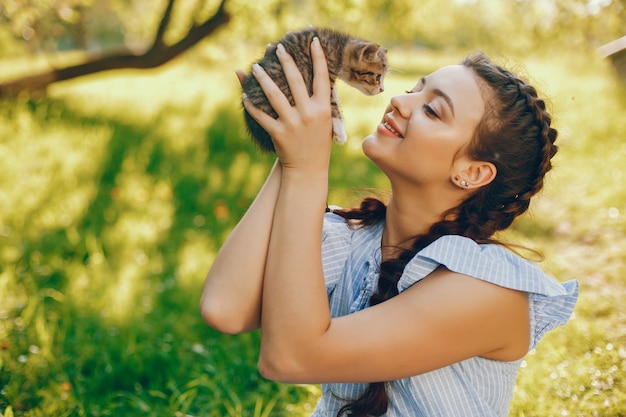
(410, 308)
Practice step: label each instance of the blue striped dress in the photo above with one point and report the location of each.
(475, 387)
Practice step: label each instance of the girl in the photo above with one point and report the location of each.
(411, 308)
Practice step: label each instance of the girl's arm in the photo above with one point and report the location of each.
(231, 298)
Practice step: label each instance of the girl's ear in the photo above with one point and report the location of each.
(473, 174)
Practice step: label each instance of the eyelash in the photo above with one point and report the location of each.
(429, 110)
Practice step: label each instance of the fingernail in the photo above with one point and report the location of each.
(280, 48)
(256, 67)
(244, 97)
(316, 41)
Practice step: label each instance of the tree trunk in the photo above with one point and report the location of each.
(158, 54)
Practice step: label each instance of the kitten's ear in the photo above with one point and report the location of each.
(369, 51)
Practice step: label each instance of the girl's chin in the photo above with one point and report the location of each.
(372, 147)
(368, 142)
(376, 140)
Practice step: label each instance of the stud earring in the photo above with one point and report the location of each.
(464, 183)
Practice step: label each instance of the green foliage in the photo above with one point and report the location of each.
(116, 192)
(506, 25)
(47, 25)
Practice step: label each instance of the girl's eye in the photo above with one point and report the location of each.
(429, 111)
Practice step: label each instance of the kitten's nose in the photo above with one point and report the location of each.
(382, 88)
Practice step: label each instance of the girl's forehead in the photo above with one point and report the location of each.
(452, 72)
(460, 84)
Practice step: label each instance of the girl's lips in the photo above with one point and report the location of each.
(389, 127)
(384, 130)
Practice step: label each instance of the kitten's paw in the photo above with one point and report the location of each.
(339, 131)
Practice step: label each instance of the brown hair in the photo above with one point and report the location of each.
(515, 135)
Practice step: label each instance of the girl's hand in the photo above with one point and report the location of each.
(302, 134)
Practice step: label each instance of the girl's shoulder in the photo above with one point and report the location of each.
(551, 302)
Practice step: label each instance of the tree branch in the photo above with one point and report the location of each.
(157, 55)
(165, 21)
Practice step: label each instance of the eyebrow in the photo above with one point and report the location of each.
(441, 94)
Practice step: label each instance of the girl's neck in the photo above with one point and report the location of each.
(402, 226)
(410, 217)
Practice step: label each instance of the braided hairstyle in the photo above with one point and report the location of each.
(515, 135)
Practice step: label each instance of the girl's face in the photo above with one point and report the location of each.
(424, 132)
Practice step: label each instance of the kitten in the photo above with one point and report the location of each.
(360, 63)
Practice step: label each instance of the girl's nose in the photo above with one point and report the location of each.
(402, 105)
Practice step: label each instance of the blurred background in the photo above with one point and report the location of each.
(124, 165)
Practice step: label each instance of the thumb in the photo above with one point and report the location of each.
(241, 76)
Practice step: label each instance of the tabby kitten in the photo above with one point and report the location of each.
(360, 63)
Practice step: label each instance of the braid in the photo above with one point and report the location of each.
(370, 212)
(515, 134)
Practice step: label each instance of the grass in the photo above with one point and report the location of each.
(117, 190)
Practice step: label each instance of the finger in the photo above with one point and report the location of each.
(274, 95)
(241, 76)
(321, 80)
(266, 121)
(299, 90)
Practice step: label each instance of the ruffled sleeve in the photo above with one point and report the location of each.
(551, 303)
(551, 311)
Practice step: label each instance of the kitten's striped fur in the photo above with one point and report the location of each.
(360, 63)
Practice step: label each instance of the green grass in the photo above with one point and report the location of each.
(117, 190)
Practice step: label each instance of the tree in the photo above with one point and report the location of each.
(157, 54)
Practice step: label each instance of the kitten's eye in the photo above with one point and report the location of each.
(430, 112)
(378, 77)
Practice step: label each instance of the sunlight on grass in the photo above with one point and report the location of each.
(36, 174)
(193, 256)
